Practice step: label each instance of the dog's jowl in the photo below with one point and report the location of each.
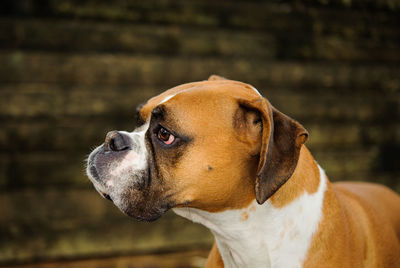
(220, 154)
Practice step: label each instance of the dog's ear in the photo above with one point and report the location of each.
(215, 77)
(282, 138)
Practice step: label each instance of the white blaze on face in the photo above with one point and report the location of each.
(125, 172)
(135, 159)
(127, 162)
(118, 175)
(167, 98)
(255, 90)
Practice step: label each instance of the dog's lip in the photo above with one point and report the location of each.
(106, 196)
(94, 175)
(91, 169)
(93, 172)
(95, 178)
(102, 192)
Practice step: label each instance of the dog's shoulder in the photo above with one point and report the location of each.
(371, 196)
(366, 203)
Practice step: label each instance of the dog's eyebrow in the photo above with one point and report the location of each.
(158, 112)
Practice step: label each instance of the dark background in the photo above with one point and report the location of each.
(72, 70)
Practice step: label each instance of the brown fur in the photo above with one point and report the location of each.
(197, 109)
(214, 258)
(358, 228)
(360, 225)
(361, 222)
(303, 179)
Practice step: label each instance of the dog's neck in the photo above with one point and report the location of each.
(269, 235)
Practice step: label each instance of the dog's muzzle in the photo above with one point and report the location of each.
(120, 170)
(105, 161)
(110, 164)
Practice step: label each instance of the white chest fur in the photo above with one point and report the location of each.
(262, 235)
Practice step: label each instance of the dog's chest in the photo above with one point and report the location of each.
(237, 250)
(262, 235)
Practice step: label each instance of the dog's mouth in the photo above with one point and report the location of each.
(91, 170)
(128, 188)
(97, 185)
(106, 196)
(94, 175)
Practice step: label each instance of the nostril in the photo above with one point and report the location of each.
(116, 141)
(112, 145)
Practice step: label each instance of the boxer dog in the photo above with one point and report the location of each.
(218, 153)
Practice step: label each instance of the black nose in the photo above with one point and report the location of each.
(117, 141)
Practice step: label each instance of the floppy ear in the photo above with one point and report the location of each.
(282, 138)
(215, 77)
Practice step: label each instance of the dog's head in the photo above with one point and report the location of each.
(212, 145)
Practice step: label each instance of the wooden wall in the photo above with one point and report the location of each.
(72, 70)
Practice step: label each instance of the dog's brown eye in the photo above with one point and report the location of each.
(164, 136)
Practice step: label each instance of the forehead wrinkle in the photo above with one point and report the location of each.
(201, 114)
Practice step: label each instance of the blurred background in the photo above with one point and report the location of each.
(72, 70)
